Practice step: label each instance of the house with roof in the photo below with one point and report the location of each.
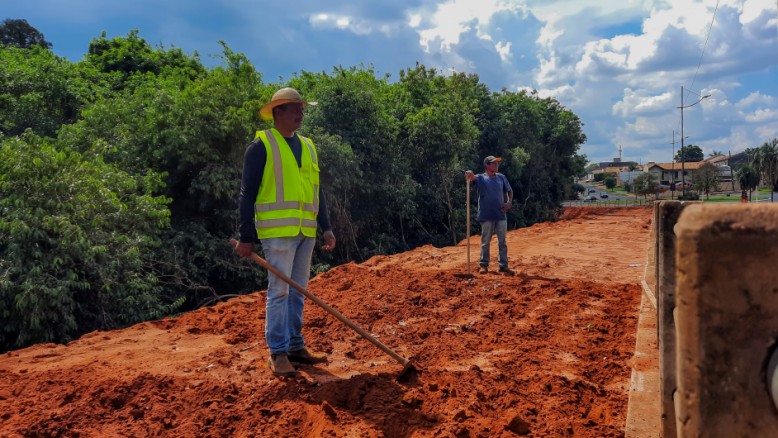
(669, 173)
(614, 171)
(726, 177)
(672, 173)
(733, 160)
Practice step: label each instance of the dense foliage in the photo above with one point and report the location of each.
(689, 154)
(19, 33)
(120, 174)
(77, 242)
(705, 179)
(761, 168)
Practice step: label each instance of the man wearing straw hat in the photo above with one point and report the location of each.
(495, 197)
(281, 205)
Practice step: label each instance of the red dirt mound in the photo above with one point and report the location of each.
(546, 352)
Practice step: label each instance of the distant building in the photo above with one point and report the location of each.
(615, 163)
(615, 168)
(734, 161)
(669, 173)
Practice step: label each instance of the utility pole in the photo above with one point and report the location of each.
(683, 155)
(672, 174)
(731, 175)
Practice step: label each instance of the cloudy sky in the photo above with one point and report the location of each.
(619, 65)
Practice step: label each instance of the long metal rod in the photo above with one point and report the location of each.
(401, 360)
(468, 227)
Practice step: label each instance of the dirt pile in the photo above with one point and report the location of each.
(546, 352)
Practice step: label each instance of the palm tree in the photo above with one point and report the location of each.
(748, 178)
(767, 156)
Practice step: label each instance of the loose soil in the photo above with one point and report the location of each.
(547, 352)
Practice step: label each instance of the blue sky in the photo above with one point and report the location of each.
(619, 65)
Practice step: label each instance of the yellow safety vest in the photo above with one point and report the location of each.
(288, 199)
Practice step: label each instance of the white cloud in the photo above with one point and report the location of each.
(619, 65)
(452, 18)
(504, 49)
(754, 99)
(414, 20)
(351, 24)
(762, 115)
(668, 49)
(753, 9)
(641, 102)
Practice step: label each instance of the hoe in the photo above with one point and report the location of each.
(408, 371)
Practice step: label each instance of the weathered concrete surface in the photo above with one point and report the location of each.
(643, 411)
(666, 215)
(727, 319)
(643, 414)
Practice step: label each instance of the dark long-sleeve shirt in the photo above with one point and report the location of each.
(254, 161)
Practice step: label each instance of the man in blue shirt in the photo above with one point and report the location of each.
(495, 197)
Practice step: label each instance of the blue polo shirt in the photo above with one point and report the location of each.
(491, 196)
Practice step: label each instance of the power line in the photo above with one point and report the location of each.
(707, 38)
(704, 47)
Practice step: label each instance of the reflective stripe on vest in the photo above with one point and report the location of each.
(280, 217)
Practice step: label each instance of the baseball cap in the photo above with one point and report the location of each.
(491, 159)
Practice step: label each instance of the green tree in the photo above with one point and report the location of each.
(646, 184)
(194, 131)
(689, 154)
(705, 179)
(393, 156)
(576, 190)
(39, 91)
(767, 157)
(130, 56)
(548, 136)
(437, 132)
(75, 243)
(748, 178)
(19, 33)
(610, 182)
(578, 164)
(364, 151)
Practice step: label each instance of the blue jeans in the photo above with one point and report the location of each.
(284, 308)
(487, 229)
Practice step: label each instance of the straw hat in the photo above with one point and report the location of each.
(281, 97)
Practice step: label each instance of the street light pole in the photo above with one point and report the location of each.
(683, 155)
(672, 172)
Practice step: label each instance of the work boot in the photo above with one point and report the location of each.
(303, 355)
(506, 270)
(280, 365)
(483, 270)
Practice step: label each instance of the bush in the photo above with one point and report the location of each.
(690, 196)
(74, 243)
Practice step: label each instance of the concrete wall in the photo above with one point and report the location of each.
(724, 287)
(666, 215)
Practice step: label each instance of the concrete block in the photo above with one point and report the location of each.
(666, 214)
(727, 319)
